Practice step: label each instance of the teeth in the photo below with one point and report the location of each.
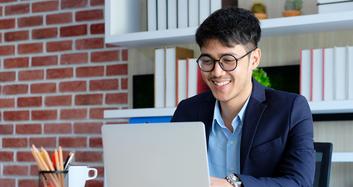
(221, 83)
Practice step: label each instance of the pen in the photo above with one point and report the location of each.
(68, 160)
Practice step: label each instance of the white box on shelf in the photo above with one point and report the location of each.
(152, 15)
(350, 72)
(340, 78)
(317, 79)
(305, 74)
(159, 78)
(172, 14)
(193, 13)
(205, 9)
(328, 6)
(182, 13)
(161, 14)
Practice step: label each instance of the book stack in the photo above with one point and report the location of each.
(177, 76)
(326, 74)
(173, 14)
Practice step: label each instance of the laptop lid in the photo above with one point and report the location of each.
(155, 155)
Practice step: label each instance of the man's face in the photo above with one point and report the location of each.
(228, 85)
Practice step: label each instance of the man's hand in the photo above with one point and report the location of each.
(217, 182)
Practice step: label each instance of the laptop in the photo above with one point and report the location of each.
(155, 155)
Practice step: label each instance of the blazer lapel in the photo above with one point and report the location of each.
(254, 111)
(206, 113)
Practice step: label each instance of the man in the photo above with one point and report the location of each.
(256, 136)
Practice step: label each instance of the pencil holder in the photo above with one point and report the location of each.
(53, 178)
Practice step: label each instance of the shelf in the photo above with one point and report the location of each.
(145, 112)
(270, 27)
(331, 107)
(342, 157)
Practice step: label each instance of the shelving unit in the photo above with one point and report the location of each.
(131, 37)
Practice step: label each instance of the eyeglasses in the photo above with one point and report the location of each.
(227, 62)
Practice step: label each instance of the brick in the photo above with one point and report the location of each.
(59, 73)
(75, 30)
(30, 21)
(29, 101)
(7, 76)
(124, 55)
(43, 142)
(19, 62)
(59, 46)
(74, 58)
(6, 156)
(58, 100)
(97, 113)
(44, 114)
(7, 50)
(16, 36)
(15, 170)
(15, 89)
(116, 98)
(97, 28)
(89, 99)
(44, 33)
(7, 1)
(92, 71)
(97, 2)
(60, 128)
(107, 84)
(72, 86)
(14, 142)
(73, 142)
(124, 83)
(24, 156)
(16, 115)
(60, 18)
(33, 170)
(95, 183)
(45, 6)
(7, 23)
(29, 129)
(66, 4)
(31, 75)
(43, 88)
(88, 156)
(28, 183)
(30, 48)
(119, 69)
(87, 128)
(91, 43)
(105, 56)
(88, 15)
(7, 102)
(7, 182)
(17, 9)
(95, 142)
(45, 60)
(73, 114)
(6, 129)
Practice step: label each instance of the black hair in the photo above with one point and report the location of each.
(230, 26)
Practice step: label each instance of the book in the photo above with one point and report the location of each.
(143, 91)
(161, 14)
(328, 74)
(340, 77)
(193, 13)
(317, 71)
(215, 5)
(204, 8)
(195, 84)
(182, 13)
(172, 56)
(152, 119)
(172, 14)
(159, 78)
(305, 74)
(152, 15)
(181, 88)
(350, 72)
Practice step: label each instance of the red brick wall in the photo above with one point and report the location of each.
(56, 77)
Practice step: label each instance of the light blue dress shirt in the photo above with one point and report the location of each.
(224, 145)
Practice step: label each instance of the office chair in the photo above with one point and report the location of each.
(323, 164)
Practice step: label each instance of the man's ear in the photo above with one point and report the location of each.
(255, 58)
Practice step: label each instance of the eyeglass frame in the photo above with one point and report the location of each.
(219, 60)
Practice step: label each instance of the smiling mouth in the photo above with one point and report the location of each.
(220, 83)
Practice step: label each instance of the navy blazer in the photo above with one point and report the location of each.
(277, 136)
